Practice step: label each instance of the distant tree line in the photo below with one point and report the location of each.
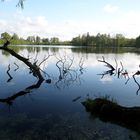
(104, 40)
(31, 40)
(99, 40)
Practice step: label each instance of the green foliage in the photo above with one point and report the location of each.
(38, 39)
(5, 36)
(138, 41)
(97, 105)
(100, 40)
(54, 40)
(45, 41)
(15, 36)
(103, 40)
(31, 39)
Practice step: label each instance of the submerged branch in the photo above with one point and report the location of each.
(45, 58)
(107, 64)
(10, 77)
(33, 67)
(107, 110)
(9, 100)
(137, 73)
(119, 72)
(16, 66)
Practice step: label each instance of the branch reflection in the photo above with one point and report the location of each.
(69, 71)
(9, 100)
(120, 73)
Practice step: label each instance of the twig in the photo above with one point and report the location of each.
(107, 64)
(136, 82)
(10, 77)
(17, 67)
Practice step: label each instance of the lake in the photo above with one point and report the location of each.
(53, 109)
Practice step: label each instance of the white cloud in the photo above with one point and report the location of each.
(110, 8)
(26, 26)
(3, 23)
(127, 24)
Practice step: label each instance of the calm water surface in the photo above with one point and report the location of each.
(53, 111)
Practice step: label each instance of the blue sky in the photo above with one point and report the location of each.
(68, 18)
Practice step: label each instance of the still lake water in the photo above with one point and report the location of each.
(53, 111)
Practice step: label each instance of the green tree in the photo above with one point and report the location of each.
(5, 36)
(76, 41)
(31, 39)
(15, 37)
(38, 40)
(138, 41)
(54, 40)
(45, 41)
(120, 40)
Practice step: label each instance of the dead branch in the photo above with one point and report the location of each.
(67, 75)
(121, 66)
(33, 67)
(17, 67)
(60, 71)
(116, 65)
(136, 83)
(9, 100)
(10, 77)
(45, 58)
(109, 72)
(6, 44)
(118, 73)
(107, 64)
(75, 99)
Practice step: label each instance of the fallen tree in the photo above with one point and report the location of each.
(9, 100)
(109, 111)
(33, 67)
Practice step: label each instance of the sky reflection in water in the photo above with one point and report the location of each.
(82, 80)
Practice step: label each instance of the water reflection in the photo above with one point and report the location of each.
(109, 111)
(72, 67)
(119, 72)
(68, 72)
(70, 75)
(9, 100)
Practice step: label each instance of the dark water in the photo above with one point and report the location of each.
(53, 111)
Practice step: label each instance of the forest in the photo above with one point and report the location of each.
(99, 40)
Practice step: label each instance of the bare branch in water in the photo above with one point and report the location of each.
(33, 67)
(16, 66)
(45, 58)
(9, 100)
(137, 73)
(107, 64)
(10, 77)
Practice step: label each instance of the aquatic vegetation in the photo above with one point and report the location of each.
(109, 111)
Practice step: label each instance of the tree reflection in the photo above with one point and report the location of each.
(120, 72)
(137, 73)
(10, 77)
(9, 100)
(69, 71)
(68, 74)
(34, 67)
